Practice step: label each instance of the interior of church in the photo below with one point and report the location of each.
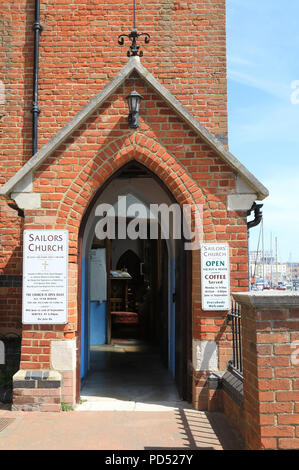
(137, 289)
(130, 301)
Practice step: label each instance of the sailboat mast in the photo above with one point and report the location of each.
(271, 261)
(276, 261)
(291, 265)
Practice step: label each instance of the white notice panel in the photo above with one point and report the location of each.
(98, 275)
(45, 276)
(215, 279)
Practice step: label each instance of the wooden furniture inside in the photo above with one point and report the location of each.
(121, 301)
(119, 293)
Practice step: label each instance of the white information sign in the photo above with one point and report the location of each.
(215, 278)
(45, 276)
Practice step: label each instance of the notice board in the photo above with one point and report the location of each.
(215, 276)
(45, 277)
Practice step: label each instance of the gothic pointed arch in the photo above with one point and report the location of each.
(143, 151)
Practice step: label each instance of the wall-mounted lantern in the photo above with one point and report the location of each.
(134, 100)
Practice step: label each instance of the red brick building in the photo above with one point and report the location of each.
(88, 154)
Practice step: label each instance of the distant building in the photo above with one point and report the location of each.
(265, 268)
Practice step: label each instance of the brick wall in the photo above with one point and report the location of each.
(270, 329)
(234, 413)
(37, 391)
(11, 236)
(78, 56)
(69, 179)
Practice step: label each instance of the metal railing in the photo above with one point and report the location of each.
(9, 363)
(235, 317)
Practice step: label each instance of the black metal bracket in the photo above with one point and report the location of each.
(133, 120)
(258, 215)
(133, 36)
(35, 109)
(37, 26)
(20, 212)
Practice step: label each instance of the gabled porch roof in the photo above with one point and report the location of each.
(134, 65)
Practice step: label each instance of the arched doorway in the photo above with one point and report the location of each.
(152, 304)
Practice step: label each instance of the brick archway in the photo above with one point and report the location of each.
(164, 168)
(106, 163)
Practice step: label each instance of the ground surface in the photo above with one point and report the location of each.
(111, 430)
(129, 402)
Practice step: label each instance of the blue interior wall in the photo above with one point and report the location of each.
(98, 323)
(93, 320)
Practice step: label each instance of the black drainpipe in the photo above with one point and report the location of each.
(258, 215)
(37, 28)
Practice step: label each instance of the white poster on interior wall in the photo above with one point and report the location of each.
(215, 276)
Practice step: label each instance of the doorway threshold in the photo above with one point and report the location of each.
(104, 404)
(128, 376)
(124, 345)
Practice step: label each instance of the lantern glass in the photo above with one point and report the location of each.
(134, 103)
(134, 100)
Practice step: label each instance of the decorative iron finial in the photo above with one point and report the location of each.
(133, 36)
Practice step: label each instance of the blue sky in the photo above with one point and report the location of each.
(263, 64)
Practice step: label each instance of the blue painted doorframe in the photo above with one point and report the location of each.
(93, 320)
(171, 321)
(84, 319)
